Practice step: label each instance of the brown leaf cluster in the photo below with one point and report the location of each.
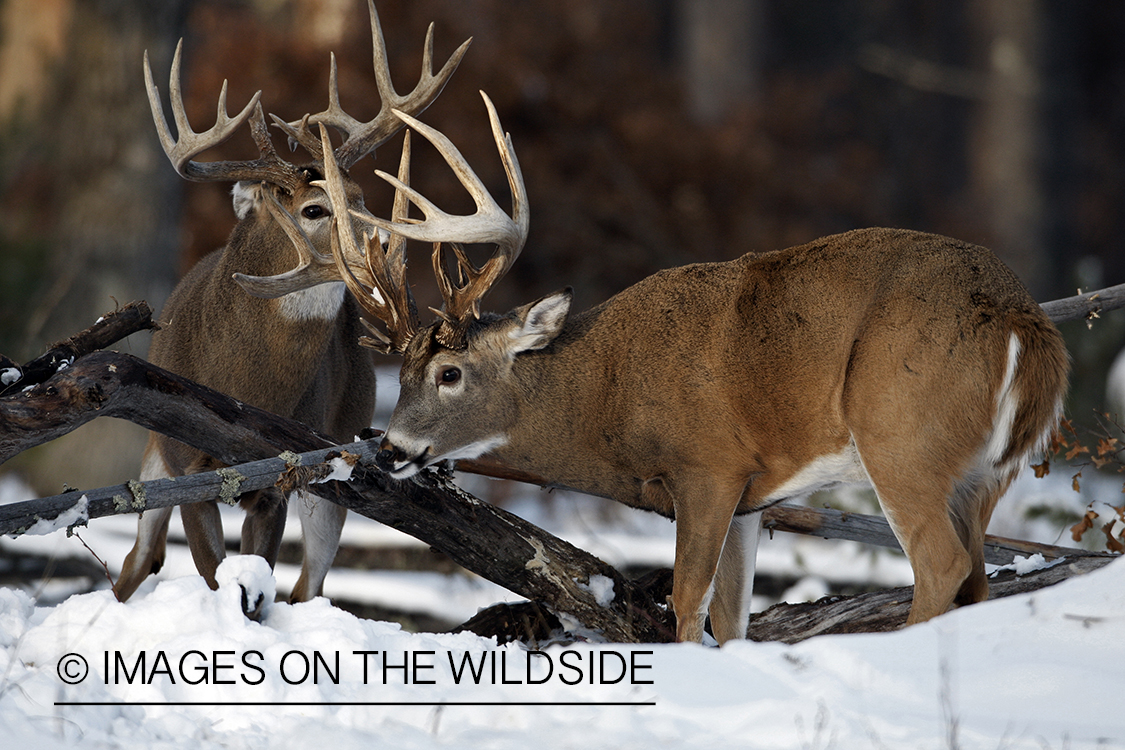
(1113, 542)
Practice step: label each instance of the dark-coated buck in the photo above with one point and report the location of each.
(908, 362)
(293, 347)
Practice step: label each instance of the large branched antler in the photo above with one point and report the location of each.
(376, 279)
(361, 138)
(188, 144)
(488, 224)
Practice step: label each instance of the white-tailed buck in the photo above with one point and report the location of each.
(912, 363)
(293, 347)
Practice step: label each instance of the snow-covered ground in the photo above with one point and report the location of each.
(181, 667)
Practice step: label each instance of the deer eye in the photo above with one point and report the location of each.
(450, 375)
(313, 212)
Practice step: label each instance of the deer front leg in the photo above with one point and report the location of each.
(321, 523)
(264, 524)
(704, 511)
(147, 555)
(148, 552)
(734, 579)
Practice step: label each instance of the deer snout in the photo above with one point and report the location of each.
(387, 456)
(393, 460)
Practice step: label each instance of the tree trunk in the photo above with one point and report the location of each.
(86, 193)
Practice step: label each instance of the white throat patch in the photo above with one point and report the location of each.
(320, 302)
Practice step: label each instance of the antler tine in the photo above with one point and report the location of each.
(376, 279)
(364, 137)
(188, 143)
(488, 224)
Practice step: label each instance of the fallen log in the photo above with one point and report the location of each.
(883, 611)
(235, 433)
(1088, 305)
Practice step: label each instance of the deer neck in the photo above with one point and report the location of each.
(560, 398)
(261, 249)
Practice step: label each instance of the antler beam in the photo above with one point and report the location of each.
(488, 224)
(188, 144)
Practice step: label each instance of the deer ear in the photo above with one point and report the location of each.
(538, 324)
(245, 196)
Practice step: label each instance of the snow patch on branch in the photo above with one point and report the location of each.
(75, 515)
(341, 469)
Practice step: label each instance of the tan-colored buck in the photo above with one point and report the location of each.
(293, 347)
(912, 363)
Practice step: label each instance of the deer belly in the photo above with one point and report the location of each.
(822, 473)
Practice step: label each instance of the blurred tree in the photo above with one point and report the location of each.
(87, 195)
(721, 50)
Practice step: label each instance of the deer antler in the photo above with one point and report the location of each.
(269, 167)
(313, 267)
(361, 138)
(489, 224)
(376, 279)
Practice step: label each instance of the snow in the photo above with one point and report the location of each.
(1024, 565)
(75, 515)
(600, 587)
(1038, 670)
(341, 470)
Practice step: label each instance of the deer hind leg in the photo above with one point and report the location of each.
(971, 506)
(734, 578)
(149, 551)
(915, 503)
(321, 524)
(203, 527)
(704, 509)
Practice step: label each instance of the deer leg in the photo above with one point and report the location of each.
(203, 527)
(321, 524)
(149, 551)
(734, 578)
(973, 503)
(916, 506)
(147, 555)
(264, 524)
(919, 456)
(703, 520)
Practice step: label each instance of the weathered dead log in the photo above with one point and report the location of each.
(858, 527)
(487, 540)
(108, 330)
(504, 548)
(882, 611)
(225, 484)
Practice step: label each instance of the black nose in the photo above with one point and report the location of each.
(387, 455)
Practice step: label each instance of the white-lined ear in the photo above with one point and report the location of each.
(245, 197)
(540, 322)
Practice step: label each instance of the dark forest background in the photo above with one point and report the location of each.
(651, 133)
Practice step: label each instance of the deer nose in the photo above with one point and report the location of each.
(387, 456)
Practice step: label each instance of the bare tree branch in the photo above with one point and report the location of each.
(109, 329)
(1087, 305)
